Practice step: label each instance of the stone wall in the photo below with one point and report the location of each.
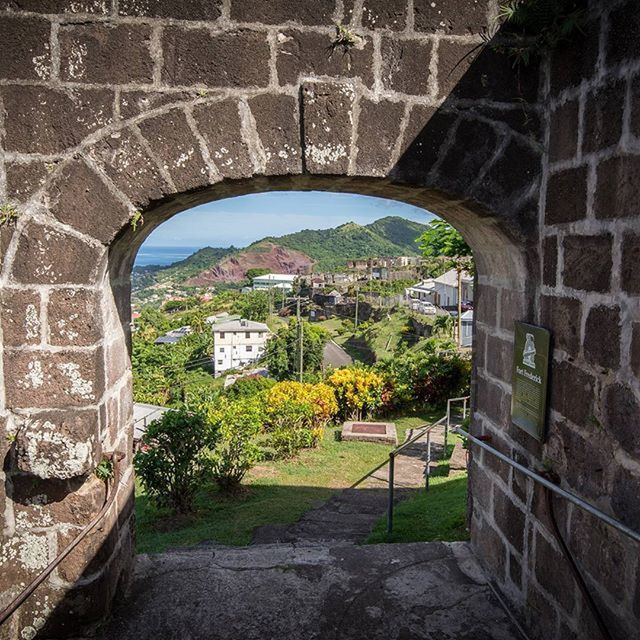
(109, 108)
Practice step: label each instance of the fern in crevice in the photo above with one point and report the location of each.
(532, 28)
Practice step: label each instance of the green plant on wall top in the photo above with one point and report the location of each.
(8, 214)
(136, 220)
(535, 27)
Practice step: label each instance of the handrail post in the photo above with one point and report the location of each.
(447, 425)
(464, 409)
(428, 468)
(390, 504)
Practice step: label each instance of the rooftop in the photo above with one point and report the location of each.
(240, 325)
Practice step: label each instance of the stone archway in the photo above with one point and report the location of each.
(221, 98)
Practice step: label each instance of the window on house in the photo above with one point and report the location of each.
(259, 334)
(247, 334)
(219, 361)
(249, 348)
(221, 349)
(222, 334)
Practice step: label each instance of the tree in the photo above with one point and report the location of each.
(254, 306)
(283, 350)
(256, 271)
(442, 241)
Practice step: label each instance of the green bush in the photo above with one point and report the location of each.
(248, 387)
(237, 424)
(170, 463)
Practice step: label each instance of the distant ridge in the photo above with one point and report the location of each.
(320, 250)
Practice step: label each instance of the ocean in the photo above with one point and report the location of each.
(162, 255)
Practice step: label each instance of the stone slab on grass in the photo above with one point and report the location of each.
(384, 432)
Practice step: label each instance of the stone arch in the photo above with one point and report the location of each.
(221, 98)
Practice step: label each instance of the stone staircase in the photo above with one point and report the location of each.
(337, 591)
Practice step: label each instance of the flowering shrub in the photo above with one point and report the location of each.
(237, 424)
(358, 390)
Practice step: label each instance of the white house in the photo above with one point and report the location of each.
(443, 290)
(238, 343)
(278, 280)
(466, 336)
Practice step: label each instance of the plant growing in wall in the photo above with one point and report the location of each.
(535, 27)
(8, 214)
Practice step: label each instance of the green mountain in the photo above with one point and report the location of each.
(330, 249)
(327, 249)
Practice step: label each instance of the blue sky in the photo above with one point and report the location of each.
(245, 219)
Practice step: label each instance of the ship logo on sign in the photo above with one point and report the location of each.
(529, 351)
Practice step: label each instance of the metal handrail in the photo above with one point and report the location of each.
(392, 457)
(450, 401)
(567, 495)
(110, 496)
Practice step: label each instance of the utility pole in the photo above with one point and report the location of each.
(459, 307)
(300, 340)
(355, 322)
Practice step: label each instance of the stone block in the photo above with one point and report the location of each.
(177, 149)
(480, 484)
(588, 262)
(220, 126)
(54, 380)
(468, 72)
(499, 358)
(405, 65)
(541, 614)
(486, 305)
(576, 60)
(474, 145)
(553, 573)
(41, 502)
(549, 260)
(572, 393)
(378, 132)
(583, 461)
(228, 59)
(42, 120)
(509, 518)
(20, 317)
(24, 179)
(622, 417)
(282, 11)
(635, 348)
(134, 103)
(463, 18)
(328, 122)
(563, 134)
(44, 253)
(510, 175)
(602, 337)
(93, 53)
(183, 10)
(625, 497)
(301, 54)
(273, 115)
(490, 549)
(566, 196)
(629, 273)
(99, 7)
(495, 402)
(563, 317)
(25, 41)
(59, 444)
(618, 187)
(124, 159)
(603, 116)
(623, 43)
(381, 14)
(78, 197)
(75, 317)
(426, 132)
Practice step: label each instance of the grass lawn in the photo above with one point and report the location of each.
(273, 492)
(437, 514)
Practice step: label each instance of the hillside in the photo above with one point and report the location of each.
(324, 250)
(263, 255)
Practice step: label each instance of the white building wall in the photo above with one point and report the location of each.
(236, 349)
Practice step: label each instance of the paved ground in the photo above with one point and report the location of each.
(351, 514)
(431, 591)
(335, 356)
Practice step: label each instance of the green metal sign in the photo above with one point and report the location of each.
(530, 375)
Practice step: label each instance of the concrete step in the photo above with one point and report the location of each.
(311, 592)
